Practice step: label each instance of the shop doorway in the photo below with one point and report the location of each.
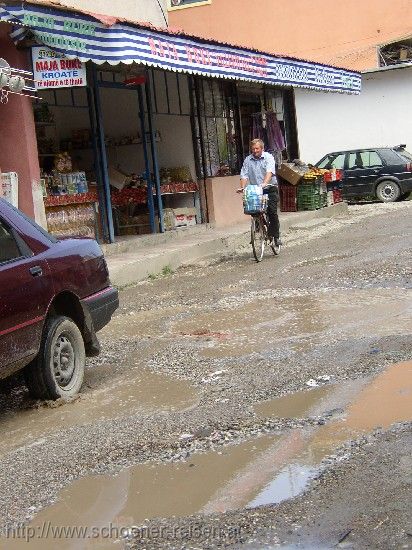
(268, 113)
(128, 139)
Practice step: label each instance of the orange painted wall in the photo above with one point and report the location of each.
(333, 32)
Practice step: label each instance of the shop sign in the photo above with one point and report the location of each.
(82, 37)
(54, 70)
(180, 4)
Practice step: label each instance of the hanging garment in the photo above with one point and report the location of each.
(275, 136)
(256, 128)
(271, 135)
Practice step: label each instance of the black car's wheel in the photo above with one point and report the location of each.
(388, 191)
(58, 370)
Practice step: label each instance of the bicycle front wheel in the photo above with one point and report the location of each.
(257, 238)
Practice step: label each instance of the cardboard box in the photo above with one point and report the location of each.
(179, 217)
(291, 173)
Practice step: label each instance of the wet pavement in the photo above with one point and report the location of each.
(223, 389)
(266, 470)
(143, 391)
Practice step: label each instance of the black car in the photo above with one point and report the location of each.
(382, 172)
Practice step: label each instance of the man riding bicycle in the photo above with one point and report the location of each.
(259, 168)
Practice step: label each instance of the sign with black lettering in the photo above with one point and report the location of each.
(54, 70)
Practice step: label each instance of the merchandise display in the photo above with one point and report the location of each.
(129, 192)
(73, 168)
(70, 208)
(71, 220)
(179, 217)
(315, 189)
(9, 187)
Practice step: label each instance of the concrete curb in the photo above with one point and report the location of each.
(137, 259)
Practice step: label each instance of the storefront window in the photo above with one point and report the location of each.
(216, 127)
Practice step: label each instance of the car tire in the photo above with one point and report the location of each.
(58, 370)
(388, 191)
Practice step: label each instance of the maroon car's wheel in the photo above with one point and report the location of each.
(58, 370)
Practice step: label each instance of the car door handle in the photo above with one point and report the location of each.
(36, 271)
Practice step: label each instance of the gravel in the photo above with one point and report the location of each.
(364, 255)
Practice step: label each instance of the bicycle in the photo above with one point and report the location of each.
(259, 236)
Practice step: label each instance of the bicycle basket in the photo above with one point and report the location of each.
(254, 201)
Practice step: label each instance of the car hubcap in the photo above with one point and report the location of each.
(63, 361)
(388, 192)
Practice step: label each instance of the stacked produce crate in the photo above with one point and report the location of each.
(288, 197)
(333, 180)
(311, 191)
(304, 187)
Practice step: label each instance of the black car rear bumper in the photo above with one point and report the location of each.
(101, 306)
(405, 186)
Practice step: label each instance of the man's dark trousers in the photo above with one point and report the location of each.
(273, 198)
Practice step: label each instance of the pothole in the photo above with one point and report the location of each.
(141, 391)
(266, 470)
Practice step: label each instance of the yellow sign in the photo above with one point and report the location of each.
(181, 4)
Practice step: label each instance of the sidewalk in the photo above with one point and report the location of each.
(134, 258)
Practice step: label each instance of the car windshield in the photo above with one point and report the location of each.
(334, 160)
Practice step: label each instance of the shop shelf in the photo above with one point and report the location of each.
(66, 200)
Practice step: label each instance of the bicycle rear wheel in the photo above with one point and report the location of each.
(257, 238)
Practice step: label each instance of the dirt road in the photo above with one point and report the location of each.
(257, 404)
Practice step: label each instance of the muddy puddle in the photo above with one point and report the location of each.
(288, 322)
(295, 405)
(143, 392)
(138, 324)
(266, 470)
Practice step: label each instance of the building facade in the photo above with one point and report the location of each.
(346, 34)
(134, 121)
(365, 35)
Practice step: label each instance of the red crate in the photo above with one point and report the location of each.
(333, 175)
(288, 198)
(337, 195)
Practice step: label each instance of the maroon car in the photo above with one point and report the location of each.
(54, 296)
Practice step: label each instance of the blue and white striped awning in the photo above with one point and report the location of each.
(83, 37)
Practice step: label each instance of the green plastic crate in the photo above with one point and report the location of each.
(311, 203)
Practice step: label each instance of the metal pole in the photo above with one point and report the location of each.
(150, 201)
(103, 157)
(154, 154)
(239, 129)
(202, 145)
(97, 162)
(96, 151)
